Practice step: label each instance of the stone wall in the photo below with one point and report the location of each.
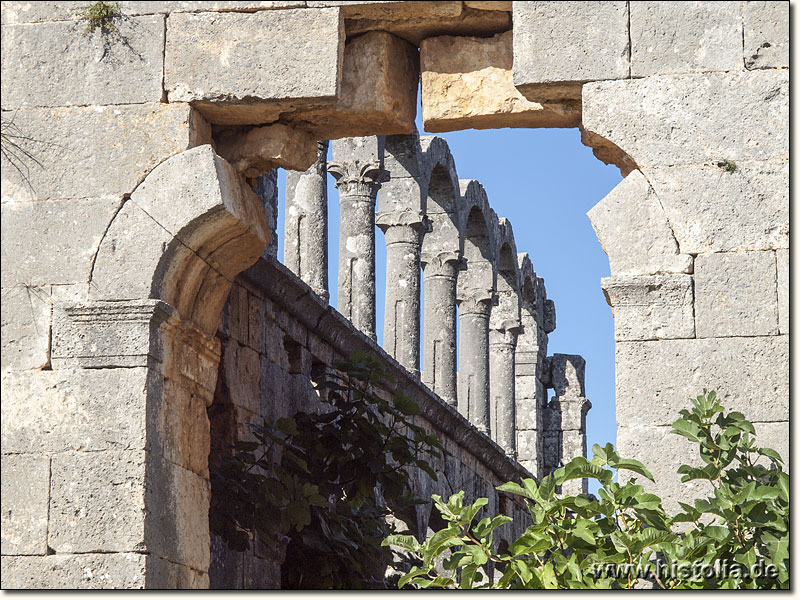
(127, 216)
(278, 339)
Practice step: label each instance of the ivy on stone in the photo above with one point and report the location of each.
(736, 538)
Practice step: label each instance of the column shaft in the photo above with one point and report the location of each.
(402, 318)
(439, 372)
(358, 183)
(501, 378)
(305, 247)
(473, 361)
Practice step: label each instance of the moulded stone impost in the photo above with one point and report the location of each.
(403, 233)
(305, 245)
(440, 272)
(474, 309)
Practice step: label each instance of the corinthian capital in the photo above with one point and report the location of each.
(357, 176)
(442, 263)
(477, 302)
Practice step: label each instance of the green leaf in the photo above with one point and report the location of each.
(686, 429)
(411, 575)
(407, 542)
(406, 405)
(632, 465)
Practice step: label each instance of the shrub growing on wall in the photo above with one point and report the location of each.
(735, 538)
(327, 481)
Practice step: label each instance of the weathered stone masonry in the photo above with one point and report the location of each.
(124, 239)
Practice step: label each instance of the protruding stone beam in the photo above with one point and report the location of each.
(403, 232)
(502, 344)
(305, 244)
(474, 309)
(440, 272)
(567, 376)
(358, 181)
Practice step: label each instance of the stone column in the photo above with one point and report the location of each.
(305, 244)
(502, 344)
(474, 309)
(266, 187)
(403, 233)
(567, 375)
(358, 182)
(440, 272)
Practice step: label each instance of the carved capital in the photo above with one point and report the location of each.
(507, 327)
(357, 177)
(476, 302)
(442, 264)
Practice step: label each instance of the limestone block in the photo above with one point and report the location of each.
(97, 501)
(378, 93)
(711, 210)
(25, 325)
(647, 444)
(559, 45)
(35, 12)
(109, 334)
(242, 376)
(766, 34)
(776, 436)
(255, 322)
(76, 571)
(676, 37)
(656, 307)
(656, 379)
(67, 236)
(527, 446)
(26, 487)
(390, 9)
(60, 64)
(177, 517)
(494, 5)
(260, 149)
(634, 231)
(526, 412)
(549, 316)
(179, 428)
(735, 294)
(568, 375)
(241, 68)
(468, 83)
(783, 290)
(74, 409)
(668, 120)
(97, 151)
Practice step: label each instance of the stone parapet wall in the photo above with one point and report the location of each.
(277, 339)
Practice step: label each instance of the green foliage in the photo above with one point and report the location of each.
(583, 541)
(100, 15)
(318, 478)
(728, 166)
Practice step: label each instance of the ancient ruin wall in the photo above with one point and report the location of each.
(122, 239)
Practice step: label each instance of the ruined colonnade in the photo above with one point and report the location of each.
(477, 288)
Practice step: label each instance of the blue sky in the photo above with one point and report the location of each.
(544, 181)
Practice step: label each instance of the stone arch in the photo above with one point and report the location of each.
(441, 253)
(159, 280)
(506, 314)
(204, 225)
(441, 198)
(477, 224)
